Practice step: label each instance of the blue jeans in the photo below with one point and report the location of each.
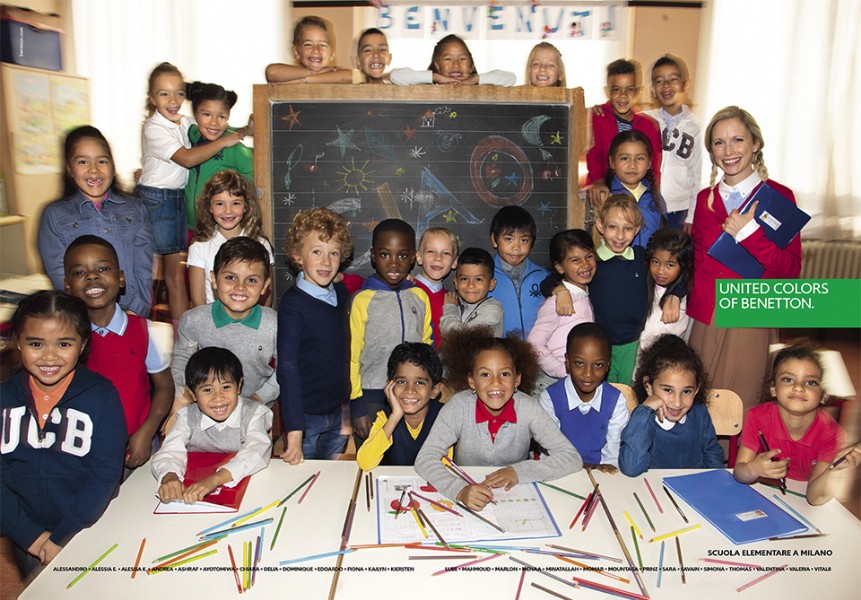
(167, 215)
(676, 219)
(322, 438)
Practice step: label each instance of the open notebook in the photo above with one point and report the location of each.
(221, 500)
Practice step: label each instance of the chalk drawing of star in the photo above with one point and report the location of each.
(512, 179)
(543, 208)
(292, 117)
(409, 132)
(370, 225)
(450, 216)
(556, 139)
(289, 200)
(344, 141)
(417, 152)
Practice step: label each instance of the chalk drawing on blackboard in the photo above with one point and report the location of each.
(431, 190)
(417, 152)
(387, 200)
(556, 139)
(292, 161)
(312, 168)
(380, 144)
(354, 179)
(450, 216)
(543, 208)
(452, 115)
(448, 141)
(346, 205)
(292, 117)
(428, 119)
(531, 129)
(500, 172)
(344, 141)
(289, 199)
(399, 171)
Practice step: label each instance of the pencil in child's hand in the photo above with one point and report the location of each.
(767, 449)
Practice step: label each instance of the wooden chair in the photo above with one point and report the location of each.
(727, 413)
(628, 393)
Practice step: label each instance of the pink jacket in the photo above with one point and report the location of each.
(549, 335)
(604, 129)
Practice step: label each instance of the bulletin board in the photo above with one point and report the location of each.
(430, 155)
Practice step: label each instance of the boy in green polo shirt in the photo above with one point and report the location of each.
(235, 321)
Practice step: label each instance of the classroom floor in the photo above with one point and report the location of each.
(846, 342)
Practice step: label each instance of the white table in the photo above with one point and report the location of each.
(315, 527)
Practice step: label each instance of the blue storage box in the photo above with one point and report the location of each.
(29, 38)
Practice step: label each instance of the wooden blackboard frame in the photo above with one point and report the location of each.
(267, 96)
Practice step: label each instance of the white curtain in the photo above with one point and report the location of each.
(795, 65)
(117, 44)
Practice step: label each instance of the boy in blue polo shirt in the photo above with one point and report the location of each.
(591, 412)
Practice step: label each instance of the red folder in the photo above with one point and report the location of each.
(221, 500)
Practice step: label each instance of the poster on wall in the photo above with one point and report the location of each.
(34, 143)
(494, 21)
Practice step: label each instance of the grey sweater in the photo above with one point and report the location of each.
(456, 425)
(255, 348)
(487, 312)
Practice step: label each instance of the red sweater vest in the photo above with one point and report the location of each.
(122, 359)
(437, 299)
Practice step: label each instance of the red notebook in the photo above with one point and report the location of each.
(221, 500)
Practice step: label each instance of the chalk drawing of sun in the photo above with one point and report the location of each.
(355, 179)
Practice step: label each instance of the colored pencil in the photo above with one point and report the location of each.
(580, 511)
(299, 487)
(673, 500)
(231, 530)
(235, 572)
(643, 508)
(640, 584)
(476, 549)
(418, 522)
(586, 552)
(761, 577)
(681, 561)
(767, 449)
(797, 514)
(544, 572)
(661, 562)
(730, 563)
(437, 504)
(246, 564)
(258, 555)
(315, 557)
(310, 485)
(182, 562)
(466, 564)
(345, 533)
(434, 529)
(400, 504)
(520, 583)
(478, 516)
(797, 537)
(222, 524)
(181, 556)
(444, 557)
(557, 553)
(654, 497)
(672, 533)
(591, 510)
(186, 549)
(594, 569)
(138, 559)
(549, 591)
(631, 521)
(437, 547)
(263, 509)
(451, 464)
(788, 491)
(367, 546)
(368, 492)
(637, 547)
(371, 481)
(509, 548)
(92, 566)
(608, 589)
(278, 529)
(559, 489)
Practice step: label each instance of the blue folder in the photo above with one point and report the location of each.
(780, 221)
(737, 510)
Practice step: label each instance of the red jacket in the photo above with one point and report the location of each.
(605, 128)
(779, 263)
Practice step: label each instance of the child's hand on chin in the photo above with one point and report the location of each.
(657, 405)
(475, 497)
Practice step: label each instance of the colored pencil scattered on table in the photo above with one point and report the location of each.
(460, 472)
(673, 500)
(316, 557)
(637, 547)
(299, 487)
(643, 508)
(661, 562)
(558, 553)
(371, 482)
(761, 578)
(171, 561)
(631, 521)
(549, 591)
(797, 537)
(559, 489)
(278, 529)
(222, 524)
(434, 529)
(310, 485)
(231, 530)
(192, 547)
(235, 571)
(345, 533)
(400, 545)
(368, 491)
(138, 559)
(608, 589)
(437, 504)
(258, 555)
(466, 564)
(730, 563)
(246, 564)
(654, 497)
(594, 569)
(796, 513)
(672, 533)
(765, 447)
(182, 562)
(580, 511)
(445, 557)
(400, 504)
(591, 510)
(250, 516)
(418, 522)
(586, 552)
(681, 561)
(436, 547)
(478, 516)
(544, 572)
(520, 583)
(92, 566)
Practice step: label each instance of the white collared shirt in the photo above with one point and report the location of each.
(666, 425)
(744, 188)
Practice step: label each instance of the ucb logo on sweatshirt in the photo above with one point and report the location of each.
(74, 436)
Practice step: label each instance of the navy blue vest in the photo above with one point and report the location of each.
(404, 448)
(587, 432)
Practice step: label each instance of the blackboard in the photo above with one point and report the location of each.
(428, 155)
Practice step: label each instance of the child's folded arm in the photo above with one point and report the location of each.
(371, 452)
(450, 319)
(637, 441)
(255, 452)
(445, 433)
(539, 336)
(172, 456)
